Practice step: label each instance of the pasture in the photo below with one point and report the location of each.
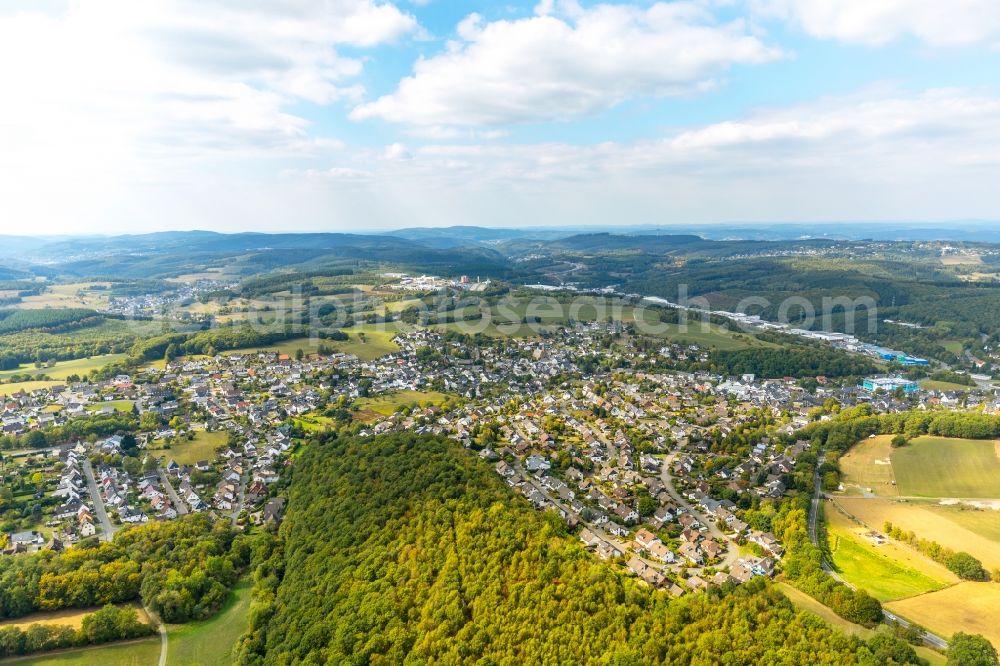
(942, 467)
(63, 369)
(976, 531)
(888, 571)
(969, 607)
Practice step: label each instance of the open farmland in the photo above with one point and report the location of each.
(63, 369)
(973, 531)
(867, 467)
(968, 607)
(889, 571)
(940, 467)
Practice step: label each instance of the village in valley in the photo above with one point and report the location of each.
(653, 469)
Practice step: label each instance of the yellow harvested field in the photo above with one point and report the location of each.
(867, 468)
(927, 521)
(969, 607)
(10, 389)
(71, 617)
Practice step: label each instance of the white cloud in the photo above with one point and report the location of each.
(875, 22)
(567, 61)
(881, 153)
(107, 94)
(396, 152)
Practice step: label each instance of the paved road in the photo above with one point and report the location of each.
(107, 529)
(181, 507)
(930, 639)
(732, 553)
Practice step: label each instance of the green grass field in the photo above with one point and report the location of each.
(934, 385)
(314, 422)
(386, 405)
(118, 405)
(940, 467)
(873, 568)
(63, 369)
(202, 447)
(138, 653)
(210, 643)
(367, 342)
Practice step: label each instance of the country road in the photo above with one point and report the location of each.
(162, 630)
(930, 639)
(107, 529)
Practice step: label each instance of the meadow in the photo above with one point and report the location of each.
(804, 602)
(976, 531)
(202, 447)
(210, 643)
(887, 572)
(369, 409)
(63, 369)
(867, 469)
(941, 467)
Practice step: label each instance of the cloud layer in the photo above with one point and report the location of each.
(877, 22)
(567, 61)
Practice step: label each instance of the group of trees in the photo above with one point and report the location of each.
(962, 564)
(786, 362)
(87, 427)
(853, 425)
(111, 623)
(803, 563)
(407, 548)
(180, 569)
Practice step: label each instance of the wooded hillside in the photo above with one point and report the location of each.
(408, 549)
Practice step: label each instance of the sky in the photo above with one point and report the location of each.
(366, 115)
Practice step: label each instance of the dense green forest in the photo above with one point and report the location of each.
(787, 362)
(56, 320)
(408, 549)
(182, 570)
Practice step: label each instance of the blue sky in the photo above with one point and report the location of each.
(367, 114)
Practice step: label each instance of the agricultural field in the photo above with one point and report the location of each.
(202, 447)
(211, 642)
(932, 467)
(63, 369)
(145, 652)
(867, 468)
(968, 607)
(27, 387)
(369, 409)
(940, 467)
(71, 617)
(72, 295)
(976, 531)
(887, 572)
